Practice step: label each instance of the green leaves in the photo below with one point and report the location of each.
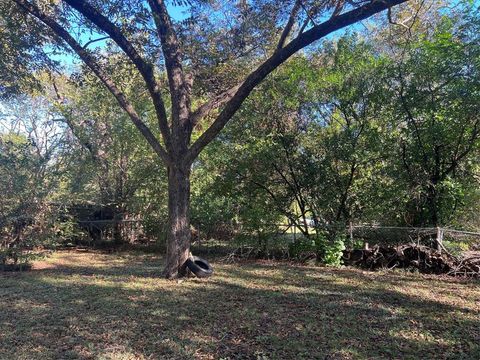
(359, 132)
(439, 118)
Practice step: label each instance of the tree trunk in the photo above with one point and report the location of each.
(118, 217)
(432, 199)
(178, 237)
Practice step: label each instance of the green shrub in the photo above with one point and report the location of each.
(303, 247)
(327, 250)
(332, 251)
(456, 247)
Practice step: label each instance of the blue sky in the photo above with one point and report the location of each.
(179, 13)
(70, 60)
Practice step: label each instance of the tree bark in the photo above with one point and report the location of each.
(432, 199)
(178, 237)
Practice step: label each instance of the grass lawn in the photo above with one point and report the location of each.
(91, 305)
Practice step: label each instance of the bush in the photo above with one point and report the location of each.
(332, 251)
(456, 247)
(326, 250)
(303, 248)
(29, 235)
(21, 239)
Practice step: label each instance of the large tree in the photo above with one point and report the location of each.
(436, 97)
(256, 37)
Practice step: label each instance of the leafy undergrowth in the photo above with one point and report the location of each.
(91, 305)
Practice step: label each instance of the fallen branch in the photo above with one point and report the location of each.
(423, 258)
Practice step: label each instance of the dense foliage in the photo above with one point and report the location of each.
(372, 128)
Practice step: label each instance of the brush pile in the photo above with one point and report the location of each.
(423, 258)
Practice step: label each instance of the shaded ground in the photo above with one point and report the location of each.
(84, 305)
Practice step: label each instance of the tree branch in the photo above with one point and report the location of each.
(173, 64)
(279, 57)
(278, 203)
(215, 103)
(145, 69)
(91, 62)
(412, 120)
(90, 42)
(291, 21)
(472, 141)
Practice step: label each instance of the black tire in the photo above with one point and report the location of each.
(200, 267)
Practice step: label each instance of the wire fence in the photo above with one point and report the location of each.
(357, 235)
(104, 230)
(432, 236)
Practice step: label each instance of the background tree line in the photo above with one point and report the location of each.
(377, 127)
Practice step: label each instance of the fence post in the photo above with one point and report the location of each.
(350, 230)
(199, 237)
(294, 232)
(439, 238)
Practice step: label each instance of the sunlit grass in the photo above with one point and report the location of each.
(86, 305)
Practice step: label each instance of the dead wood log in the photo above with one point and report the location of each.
(425, 259)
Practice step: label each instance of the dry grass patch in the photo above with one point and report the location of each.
(91, 305)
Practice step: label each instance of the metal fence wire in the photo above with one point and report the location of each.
(431, 236)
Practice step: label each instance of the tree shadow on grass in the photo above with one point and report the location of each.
(124, 264)
(244, 312)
